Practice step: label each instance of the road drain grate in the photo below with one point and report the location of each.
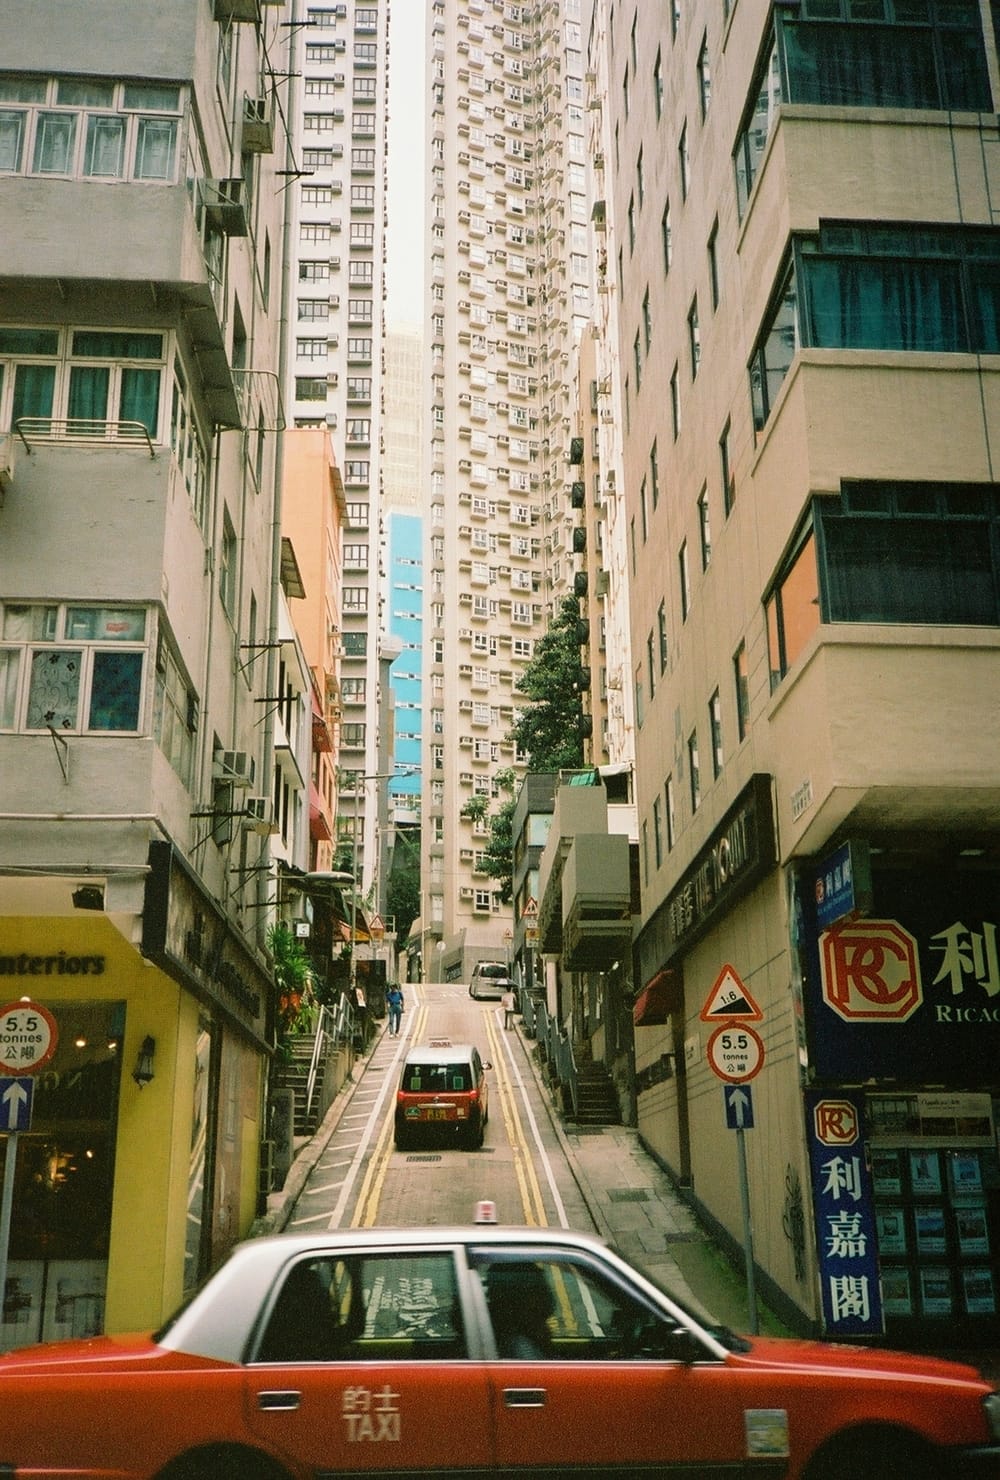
(431, 1156)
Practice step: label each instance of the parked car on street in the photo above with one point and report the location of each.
(485, 1350)
(489, 981)
(442, 1093)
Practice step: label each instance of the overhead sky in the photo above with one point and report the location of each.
(405, 261)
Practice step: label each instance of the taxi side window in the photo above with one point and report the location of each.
(366, 1308)
(561, 1309)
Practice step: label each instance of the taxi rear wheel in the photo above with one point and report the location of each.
(223, 1462)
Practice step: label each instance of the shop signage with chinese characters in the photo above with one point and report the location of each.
(186, 934)
(843, 884)
(739, 853)
(844, 1215)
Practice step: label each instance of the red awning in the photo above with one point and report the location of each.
(658, 996)
(319, 828)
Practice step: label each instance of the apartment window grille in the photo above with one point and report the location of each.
(89, 128)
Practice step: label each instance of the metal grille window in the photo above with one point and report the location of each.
(91, 128)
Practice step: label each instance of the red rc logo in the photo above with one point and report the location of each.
(835, 1122)
(870, 971)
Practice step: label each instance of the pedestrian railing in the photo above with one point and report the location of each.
(555, 1047)
(335, 1025)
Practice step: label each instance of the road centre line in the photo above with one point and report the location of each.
(518, 1077)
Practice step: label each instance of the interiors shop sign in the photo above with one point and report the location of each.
(739, 853)
(185, 933)
(909, 993)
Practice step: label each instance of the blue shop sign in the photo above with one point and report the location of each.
(844, 1215)
(843, 884)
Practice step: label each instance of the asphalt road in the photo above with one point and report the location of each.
(361, 1180)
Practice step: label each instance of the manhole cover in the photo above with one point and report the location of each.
(628, 1194)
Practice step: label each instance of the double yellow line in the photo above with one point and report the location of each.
(532, 1203)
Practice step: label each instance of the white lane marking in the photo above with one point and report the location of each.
(327, 1187)
(542, 1153)
(388, 1086)
(301, 1222)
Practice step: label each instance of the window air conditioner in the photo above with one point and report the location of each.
(235, 766)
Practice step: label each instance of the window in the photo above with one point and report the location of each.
(658, 84)
(752, 139)
(715, 733)
(227, 565)
(910, 552)
(792, 609)
(640, 705)
(657, 831)
(684, 162)
(694, 338)
(86, 383)
(310, 388)
(370, 1307)
(704, 78)
(637, 359)
(640, 179)
(650, 667)
(72, 668)
(654, 475)
(90, 129)
(741, 678)
(175, 718)
(314, 272)
(661, 631)
(647, 321)
(685, 580)
(713, 264)
(666, 238)
(694, 773)
(670, 807)
(726, 468)
(881, 286)
(313, 308)
(675, 403)
(704, 529)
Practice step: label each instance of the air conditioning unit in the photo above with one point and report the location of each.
(235, 766)
(225, 205)
(258, 125)
(465, 893)
(258, 815)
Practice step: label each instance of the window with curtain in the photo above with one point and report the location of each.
(881, 286)
(927, 54)
(87, 378)
(922, 553)
(77, 668)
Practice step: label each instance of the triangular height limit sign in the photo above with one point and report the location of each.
(729, 998)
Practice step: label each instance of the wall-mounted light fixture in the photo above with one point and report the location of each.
(143, 1071)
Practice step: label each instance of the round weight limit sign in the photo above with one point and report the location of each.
(28, 1037)
(735, 1052)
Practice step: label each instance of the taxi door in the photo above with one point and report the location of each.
(596, 1378)
(365, 1368)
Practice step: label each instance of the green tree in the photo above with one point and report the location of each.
(403, 894)
(548, 727)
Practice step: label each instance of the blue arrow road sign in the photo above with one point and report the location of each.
(739, 1106)
(16, 1097)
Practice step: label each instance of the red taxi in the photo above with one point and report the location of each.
(442, 1091)
(486, 1351)
(504, 1353)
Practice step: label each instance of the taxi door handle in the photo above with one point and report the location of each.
(279, 1402)
(524, 1397)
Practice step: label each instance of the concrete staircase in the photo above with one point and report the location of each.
(294, 1075)
(597, 1098)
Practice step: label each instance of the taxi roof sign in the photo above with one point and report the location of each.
(729, 998)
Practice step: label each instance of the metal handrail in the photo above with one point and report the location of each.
(317, 1054)
(81, 429)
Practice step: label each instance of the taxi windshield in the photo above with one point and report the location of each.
(433, 1078)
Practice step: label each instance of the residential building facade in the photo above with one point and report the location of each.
(338, 55)
(141, 637)
(806, 249)
(508, 295)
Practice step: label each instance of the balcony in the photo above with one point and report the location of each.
(585, 876)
